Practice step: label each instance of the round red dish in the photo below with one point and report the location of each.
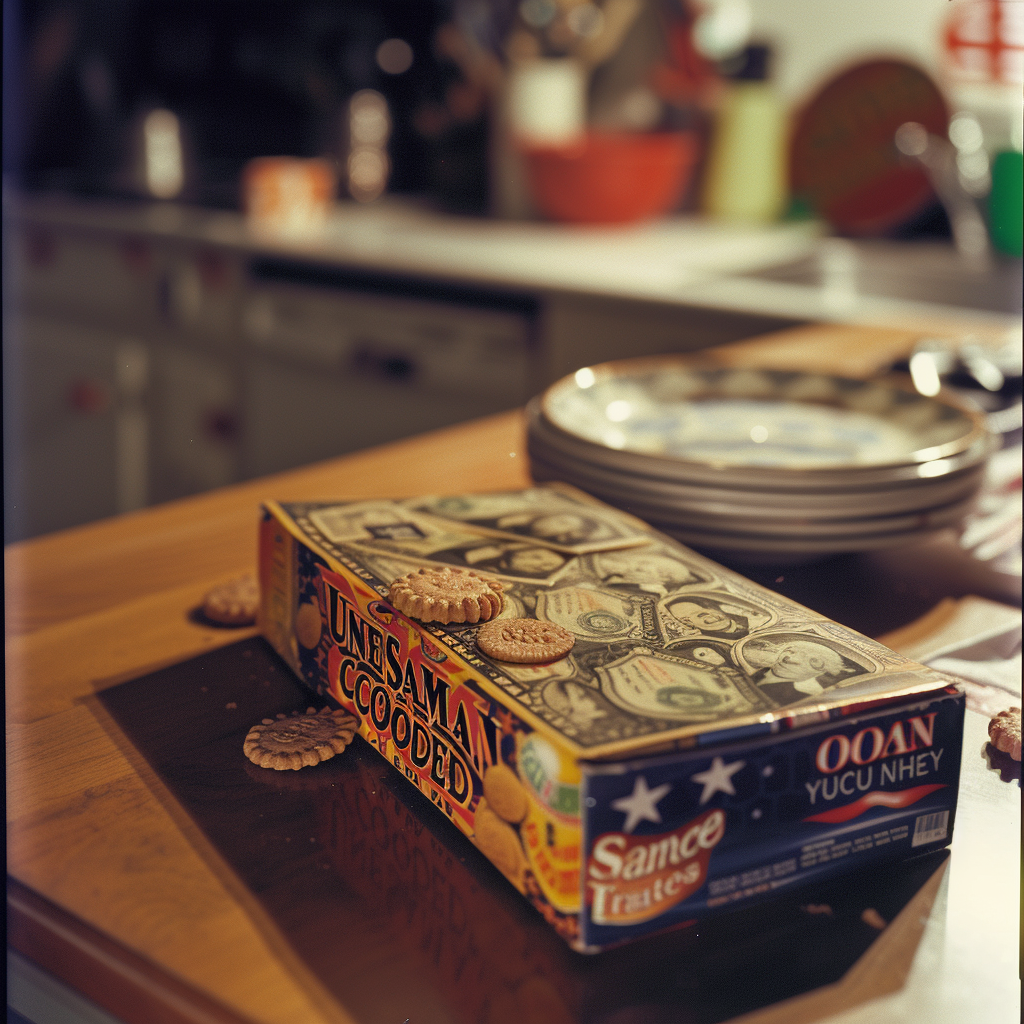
(611, 178)
(843, 160)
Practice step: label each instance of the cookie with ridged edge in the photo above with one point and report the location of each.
(233, 603)
(447, 595)
(524, 641)
(299, 740)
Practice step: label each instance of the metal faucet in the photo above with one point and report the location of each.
(938, 157)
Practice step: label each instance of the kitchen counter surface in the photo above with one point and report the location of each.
(682, 261)
(113, 888)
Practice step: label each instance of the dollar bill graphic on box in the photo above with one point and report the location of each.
(705, 743)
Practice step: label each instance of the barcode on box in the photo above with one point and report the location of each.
(930, 827)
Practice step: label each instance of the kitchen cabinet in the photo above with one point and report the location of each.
(195, 403)
(250, 357)
(82, 430)
(331, 369)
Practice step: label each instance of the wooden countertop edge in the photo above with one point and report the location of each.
(102, 969)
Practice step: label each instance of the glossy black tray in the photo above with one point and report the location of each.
(397, 917)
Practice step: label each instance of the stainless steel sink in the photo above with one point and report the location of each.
(915, 271)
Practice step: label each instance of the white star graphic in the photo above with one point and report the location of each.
(718, 778)
(640, 804)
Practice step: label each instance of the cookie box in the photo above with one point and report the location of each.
(704, 744)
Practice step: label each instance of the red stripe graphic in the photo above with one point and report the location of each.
(879, 798)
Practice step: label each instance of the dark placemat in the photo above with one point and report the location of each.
(399, 916)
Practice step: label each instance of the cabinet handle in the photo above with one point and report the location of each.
(390, 366)
(221, 425)
(87, 396)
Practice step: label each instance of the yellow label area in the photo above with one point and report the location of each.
(551, 831)
(277, 589)
(553, 852)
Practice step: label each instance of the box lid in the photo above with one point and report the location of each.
(672, 650)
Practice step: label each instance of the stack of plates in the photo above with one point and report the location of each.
(762, 465)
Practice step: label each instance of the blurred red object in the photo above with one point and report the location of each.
(984, 41)
(611, 178)
(844, 164)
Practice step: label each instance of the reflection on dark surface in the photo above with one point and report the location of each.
(400, 917)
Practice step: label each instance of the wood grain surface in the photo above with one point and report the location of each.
(92, 830)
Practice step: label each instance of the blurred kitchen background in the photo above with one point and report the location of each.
(243, 235)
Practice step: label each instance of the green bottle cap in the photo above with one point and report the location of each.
(1006, 202)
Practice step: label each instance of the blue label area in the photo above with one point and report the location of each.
(671, 839)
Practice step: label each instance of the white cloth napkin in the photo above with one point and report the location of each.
(980, 645)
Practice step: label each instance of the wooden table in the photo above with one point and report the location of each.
(112, 891)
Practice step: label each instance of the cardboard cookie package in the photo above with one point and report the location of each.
(704, 744)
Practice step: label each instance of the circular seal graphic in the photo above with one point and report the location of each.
(602, 621)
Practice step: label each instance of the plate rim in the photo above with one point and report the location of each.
(645, 364)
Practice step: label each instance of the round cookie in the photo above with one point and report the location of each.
(505, 794)
(1004, 732)
(234, 603)
(447, 595)
(308, 625)
(499, 842)
(524, 641)
(297, 740)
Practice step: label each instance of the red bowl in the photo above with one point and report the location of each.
(611, 178)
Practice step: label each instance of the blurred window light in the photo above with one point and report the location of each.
(369, 129)
(1011, 66)
(975, 23)
(723, 29)
(911, 138)
(394, 56)
(965, 133)
(974, 173)
(1011, 24)
(367, 174)
(640, 109)
(619, 410)
(369, 121)
(585, 20)
(538, 13)
(164, 166)
(925, 374)
(939, 467)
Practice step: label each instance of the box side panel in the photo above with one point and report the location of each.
(510, 789)
(672, 839)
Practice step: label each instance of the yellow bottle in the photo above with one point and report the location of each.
(747, 170)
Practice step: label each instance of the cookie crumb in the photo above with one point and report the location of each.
(1004, 732)
(873, 918)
